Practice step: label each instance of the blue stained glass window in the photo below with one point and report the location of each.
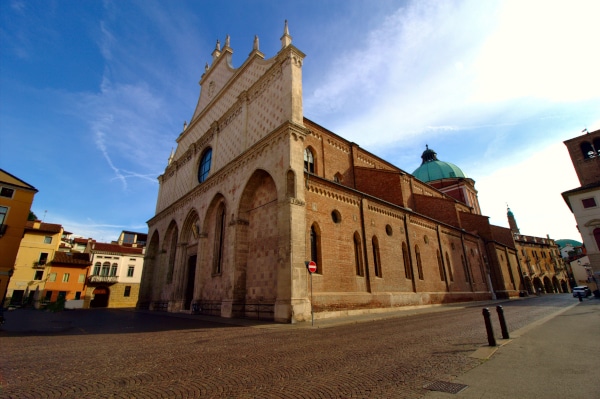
(204, 165)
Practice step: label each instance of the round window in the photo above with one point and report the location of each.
(336, 217)
(388, 230)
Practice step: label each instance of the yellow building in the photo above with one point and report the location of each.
(39, 244)
(16, 197)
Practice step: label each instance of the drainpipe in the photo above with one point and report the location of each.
(364, 238)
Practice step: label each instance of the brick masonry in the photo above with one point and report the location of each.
(383, 238)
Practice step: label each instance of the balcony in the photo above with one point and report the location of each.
(39, 265)
(96, 279)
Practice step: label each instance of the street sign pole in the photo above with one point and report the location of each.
(312, 314)
(311, 267)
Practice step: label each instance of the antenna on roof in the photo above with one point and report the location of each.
(44, 218)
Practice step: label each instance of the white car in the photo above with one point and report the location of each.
(581, 290)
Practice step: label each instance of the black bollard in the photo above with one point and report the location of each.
(488, 327)
(503, 327)
(580, 297)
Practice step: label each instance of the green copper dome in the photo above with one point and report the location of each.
(433, 169)
(564, 242)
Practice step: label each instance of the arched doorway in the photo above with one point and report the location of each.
(564, 286)
(548, 287)
(100, 297)
(528, 285)
(538, 286)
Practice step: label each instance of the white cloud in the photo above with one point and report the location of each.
(541, 49)
(531, 188)
(461, 64)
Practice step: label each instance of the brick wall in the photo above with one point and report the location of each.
(441, 209)
(384, 184)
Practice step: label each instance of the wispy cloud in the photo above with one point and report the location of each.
(459, 64)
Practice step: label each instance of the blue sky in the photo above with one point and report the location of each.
(93, 94)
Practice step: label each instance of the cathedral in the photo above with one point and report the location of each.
(255, 191)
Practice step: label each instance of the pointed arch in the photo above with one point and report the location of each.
(358, 255)
(215, 231)
(407, 268)
(309, 160)
(170, 248)
(190, 231)
(419, 263)
(376, 256)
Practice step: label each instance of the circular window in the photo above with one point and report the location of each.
(426, 239)
(388, 230)
(336, 217)
(452, 246)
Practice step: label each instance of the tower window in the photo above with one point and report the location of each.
(309, 161)
(588, 202)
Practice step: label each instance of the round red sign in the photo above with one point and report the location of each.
(312, 266)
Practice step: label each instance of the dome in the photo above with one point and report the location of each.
(433, 169)
(564, 242)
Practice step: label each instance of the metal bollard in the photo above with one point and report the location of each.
(488, 327)
(503, 327)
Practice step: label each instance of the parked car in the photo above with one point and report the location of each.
(582, 290)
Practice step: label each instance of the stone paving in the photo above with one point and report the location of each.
(120, 354)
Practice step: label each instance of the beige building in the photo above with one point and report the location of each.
(39, 244)
(584, 201)
(16, 197)
(116, 272)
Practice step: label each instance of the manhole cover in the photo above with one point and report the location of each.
(443, 386)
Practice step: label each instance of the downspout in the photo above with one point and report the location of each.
(364, 239)
(486, 270)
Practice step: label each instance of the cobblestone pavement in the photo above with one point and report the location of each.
(120, 354)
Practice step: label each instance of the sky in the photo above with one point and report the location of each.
(94, 93)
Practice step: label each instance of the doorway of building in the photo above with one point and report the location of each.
(191, 277)
(100, 297)
(17, 297)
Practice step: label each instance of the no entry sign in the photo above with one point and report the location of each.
(312, 266)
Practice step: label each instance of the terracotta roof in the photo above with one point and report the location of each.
(44, 227)
(82, 240)
(71, 258)
(115, 248)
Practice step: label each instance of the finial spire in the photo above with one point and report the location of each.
(286, 39)
(255, 45)
(227, 41)
(217, 51)
(171, 157)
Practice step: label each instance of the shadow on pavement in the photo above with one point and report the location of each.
(21, 322)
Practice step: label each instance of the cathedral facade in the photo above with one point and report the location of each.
(255, 190)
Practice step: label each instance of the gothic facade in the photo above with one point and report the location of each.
(255, 190)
